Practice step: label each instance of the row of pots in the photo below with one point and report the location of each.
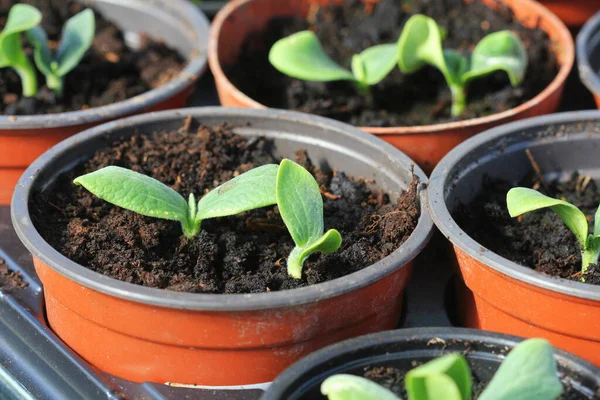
(146, 334)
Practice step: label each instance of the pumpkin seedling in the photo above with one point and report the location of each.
(301, 208)
(21, 18)
(77, 37)
(527, 373)
(421, 43)
(301, 56)
(147, 196)
(523, 200)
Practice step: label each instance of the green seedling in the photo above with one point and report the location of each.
(301, 207)
(147, 196)
(421, 43)
(523, 200)
(528, 373)
(301, 56)
(21, 18)
(77, 37)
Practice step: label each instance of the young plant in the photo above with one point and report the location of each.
(147, 196)
(77, 37)
(301, 56)
(421, 43)
(523, 200)
(21, 18)
(527, 373)
(301, 207)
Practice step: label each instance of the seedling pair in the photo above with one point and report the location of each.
(77, 37)
(301, 56)
(288, 185)
(523, 200)
(527, 373)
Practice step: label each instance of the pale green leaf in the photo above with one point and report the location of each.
(77, 37)
(523, 200)
(527, 373)
(41, 51)
(420, 43)
(499, 51)
(352, 387)
(21, 18)
(422, 380)
(136, 192)
(328, 243)
(301, 56)
(375, 63)
(456, 66)
(250, 190)
(597, 223)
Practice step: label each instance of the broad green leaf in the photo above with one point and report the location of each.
(456, 66)
(41, 51)
(250, 190)
(21, 18)
(421, 382)
(420, 43)
(328, 243)
(301, 56)
(77, 36)
(499, 51)
(523, 200)
(352, 387)
(375, 63)
(597, 223)
(136, 192)
(527, 373)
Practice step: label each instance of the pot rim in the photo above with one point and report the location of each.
(322, 356)
(567, 51)
(450, 229)
(34, 242)
(195, 67)
(588, 76)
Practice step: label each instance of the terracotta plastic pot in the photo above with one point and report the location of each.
(485, 351)
(425, 144)
(588, 56)
(573, 12)
(501, 295)
(176, 22)
(145, 334)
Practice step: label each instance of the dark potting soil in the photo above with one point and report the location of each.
(240, 254)
(539, 240)
(421, 98)
(110, 72)
(11, 279)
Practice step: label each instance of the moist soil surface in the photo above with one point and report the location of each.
(539, 240)
(110, 72)
(239, 254)
(421, 98)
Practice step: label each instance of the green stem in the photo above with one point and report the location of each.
(28, 78)
(294, 264)
(55, 83)
(365, 91)
(459, 100)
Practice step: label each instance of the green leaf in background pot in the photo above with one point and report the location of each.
(352, 387)
(447, 374)
(372, 65)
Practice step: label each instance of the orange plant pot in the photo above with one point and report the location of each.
(425, 144)
(146, 334)
(573, 12)
(24, 138)
(497, 294)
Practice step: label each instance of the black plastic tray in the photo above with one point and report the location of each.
(36, 364)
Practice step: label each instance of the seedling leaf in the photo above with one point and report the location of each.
(77, 38)
(597, 223)
(301, 56)
(523, 200)
(449, 374)
(352, 387)
(527, 373)
(375, 63)
(420, 43)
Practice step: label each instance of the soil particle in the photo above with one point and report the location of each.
(11, 279)
(240, 254)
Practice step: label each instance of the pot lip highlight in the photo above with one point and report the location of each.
(196, 64)
(438, 187)
(565, 60)
(341, 133)
(587, 74)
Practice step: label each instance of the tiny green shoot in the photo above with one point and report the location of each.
(147, 196)
(77, 37)
(528, 373)
(301, 208)
(521, 200)
(421, 43)
(301, 56)
(21, 18)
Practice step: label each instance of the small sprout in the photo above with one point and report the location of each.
(301, 56)
(523, 200)
(21, 18)
(528, 373)
(301, 207)
(77, 37)
(421, 43)
(147, 196)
